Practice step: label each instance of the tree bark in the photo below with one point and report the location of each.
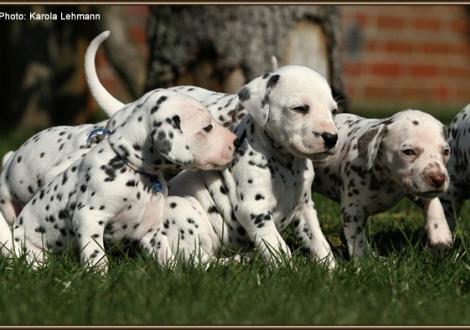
(221, 47)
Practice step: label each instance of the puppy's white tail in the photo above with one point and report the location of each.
(6, 158)
(274, 63)
(106, 101)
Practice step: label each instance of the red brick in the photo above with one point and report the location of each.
(463, 94)
(435, 48)
(423, 70)
(416, 93)
(459, 25)
(390, 22)
(442, 93)
(361, 19)
(386, 69)
(427, 24)
(398, 46)
(372, 92)
(457, 72)
(353, 68)
(372, 45)
(463, 49)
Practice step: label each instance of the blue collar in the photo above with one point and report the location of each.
(97, 134)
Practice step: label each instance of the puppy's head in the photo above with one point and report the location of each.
(411, 147)
(294, 104)
(185, 134)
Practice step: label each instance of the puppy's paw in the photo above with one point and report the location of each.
(439, 238)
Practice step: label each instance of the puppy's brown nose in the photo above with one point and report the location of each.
(437, 179)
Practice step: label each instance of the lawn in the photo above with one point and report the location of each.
(399, 282)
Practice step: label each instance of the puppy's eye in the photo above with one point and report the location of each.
(334, 111)
(301, 108)
(409, 152)
(446, 152)
(208, 128)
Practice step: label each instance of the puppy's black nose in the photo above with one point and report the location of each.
(330, 139)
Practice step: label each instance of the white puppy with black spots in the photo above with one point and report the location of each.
(268, 185)
(116, 190)
(458, 166)
(49, 152)
(380, 161)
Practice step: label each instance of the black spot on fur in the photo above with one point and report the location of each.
(244, 94)
(273, 80)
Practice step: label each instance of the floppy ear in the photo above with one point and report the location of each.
(170, 142)
(254, 97)
(369, 143)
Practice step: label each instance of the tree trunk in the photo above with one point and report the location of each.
(221, 47)
(43, 65)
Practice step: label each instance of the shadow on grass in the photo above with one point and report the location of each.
(395, 240)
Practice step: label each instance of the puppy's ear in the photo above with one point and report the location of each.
(254, 97)
(369, 143)
(274, 63)
(170, 142)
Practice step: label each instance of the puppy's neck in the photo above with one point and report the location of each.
(132, 142)
(266, 139)
(380, 172)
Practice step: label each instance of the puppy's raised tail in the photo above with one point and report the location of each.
(105, 100)
(6, 158)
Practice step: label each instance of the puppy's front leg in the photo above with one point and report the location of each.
(354, 220)
(439, 234)
(452, 207)
(89, 227)
(262, 231)
(309, 232)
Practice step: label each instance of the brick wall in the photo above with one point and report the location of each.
(409, 55)
(399, 55)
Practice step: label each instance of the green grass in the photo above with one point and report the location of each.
(444, 113)
(400, 282)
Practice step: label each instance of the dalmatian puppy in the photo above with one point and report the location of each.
(290, 124)
(268, 184)
(35, 162)
(459, 140)
(116, 190)
(380, 161)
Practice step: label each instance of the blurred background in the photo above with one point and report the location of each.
(378, 59)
